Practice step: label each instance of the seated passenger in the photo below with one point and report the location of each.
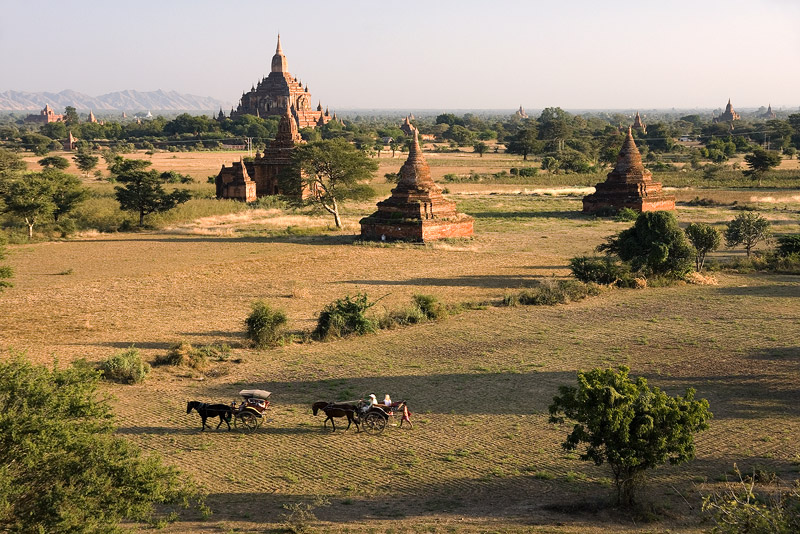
(387, 400)
(373, 400)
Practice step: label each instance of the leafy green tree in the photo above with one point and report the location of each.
(54, 130)
(555, 127)
(331, 171)
(63, 469)
(480, 148)
(71, 117)
(10, 163)
(36, 143)
(628, 425)
(67, 192)
(29, 198)
(525, 141)
(655, 244)
(85, 161)
(143, 192)
(460, 134)
(551, 164)
(761, 161)
(5, 271)
(748, 229)
(57, 162)
(704, 238)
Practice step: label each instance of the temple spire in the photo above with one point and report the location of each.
(279, 63)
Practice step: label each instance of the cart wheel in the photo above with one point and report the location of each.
(374, 423)
(247, 421)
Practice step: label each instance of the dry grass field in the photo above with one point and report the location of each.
(481, 456)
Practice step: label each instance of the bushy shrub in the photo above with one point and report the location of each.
(344, 317)
(430, 307)
(199, 358)
(264, 325)
(654, 245)
(626, 215)
(788, 245)
(406, 316)
(742, 508)
(605, 270)
(125, 367)
(552, 292)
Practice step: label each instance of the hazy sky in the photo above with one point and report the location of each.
(433, 54)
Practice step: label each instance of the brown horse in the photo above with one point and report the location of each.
(333, 409)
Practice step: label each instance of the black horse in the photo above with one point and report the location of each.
(341, 409)
(223, 411)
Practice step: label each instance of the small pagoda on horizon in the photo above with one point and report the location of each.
(417, 210)
(629, 185)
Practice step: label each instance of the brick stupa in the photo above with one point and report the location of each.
(416, 211)
(629, 185)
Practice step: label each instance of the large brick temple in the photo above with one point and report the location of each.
(629, 185)
(279, 91)
(248, 180)
(416, 211)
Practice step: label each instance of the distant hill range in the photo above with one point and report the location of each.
(118, 101)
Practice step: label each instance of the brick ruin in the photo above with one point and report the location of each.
(279, 91)
(638, 124)
(265, 168)
(416, 211)
(729, 115)
(629, 185)
(45, 116)
(521, 113)
(234, 183)
(769, 114)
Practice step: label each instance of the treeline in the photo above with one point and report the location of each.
(561, 141)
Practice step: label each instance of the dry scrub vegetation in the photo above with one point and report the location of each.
(481, 456)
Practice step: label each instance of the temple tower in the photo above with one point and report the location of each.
(638, 124)
(277, 91)
(629, 185)
(416, 211)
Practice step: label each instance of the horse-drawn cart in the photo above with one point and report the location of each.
(250, 413)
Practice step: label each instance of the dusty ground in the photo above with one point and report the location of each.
(481, 456)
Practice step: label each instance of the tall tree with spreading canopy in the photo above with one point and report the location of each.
(85, 161)
(525, 141)
(330, 172)
(57, 162)
(704, 238)
(6, 272)
(63, 469)
(67, 192)
(29, 198)
(759, 162)
(628, 425)
(143, 192)
(748, 228)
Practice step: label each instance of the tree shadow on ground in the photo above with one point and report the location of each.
(772, 290)
(738, 396)
(745, 396)
(780, 354)
(497, 281)
(154, 345)
(555, 214)
(315, 239)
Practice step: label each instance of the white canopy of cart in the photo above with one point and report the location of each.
(255, 393)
